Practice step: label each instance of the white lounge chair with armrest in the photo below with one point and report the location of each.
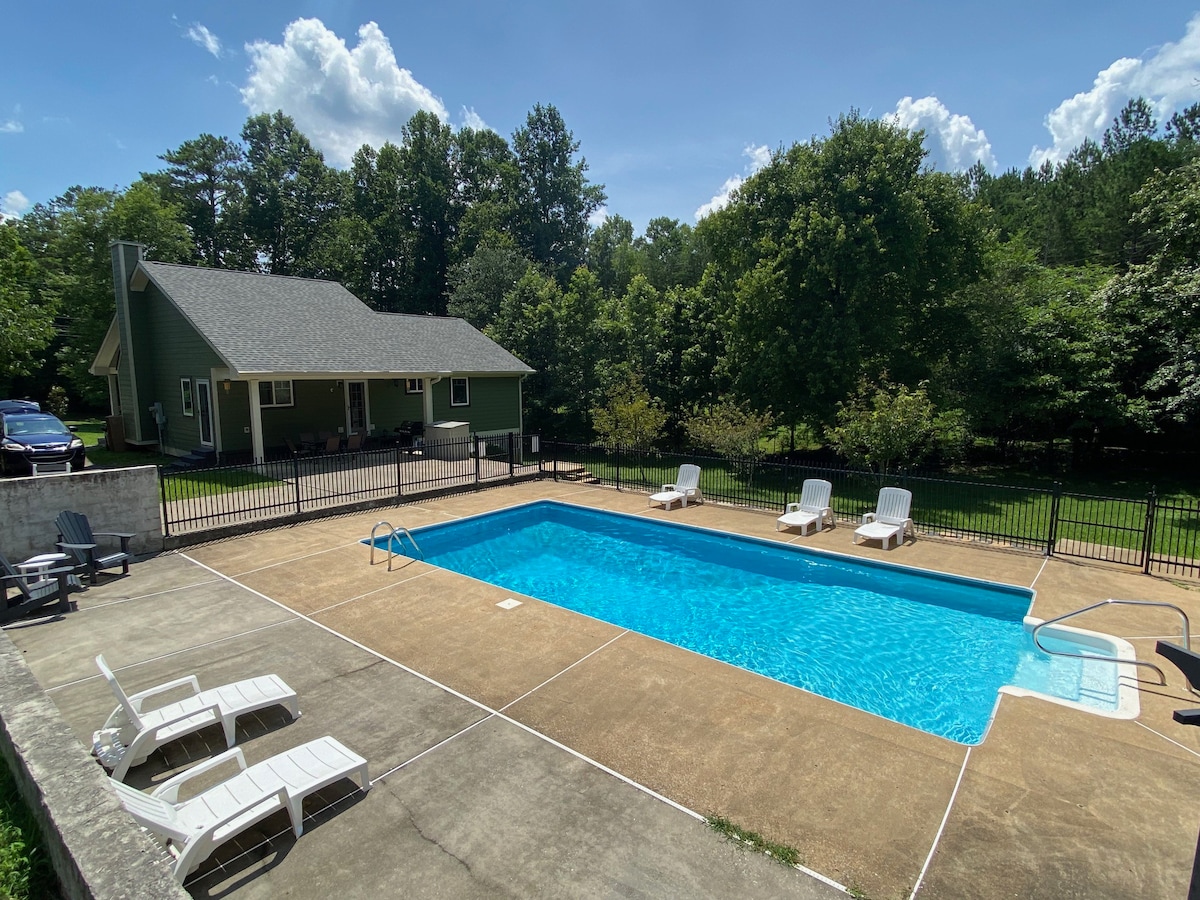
(685, 488)
(191, 829)
(890, 518)
(132, 732)
(812, 509)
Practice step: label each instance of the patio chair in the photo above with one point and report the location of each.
(35, 587)
(308, 440)
(890, 518)
(354, 443)
(685, 488)
(75, 536)
(131, 733)
(333, 444)
(812, 509)
(191, 829)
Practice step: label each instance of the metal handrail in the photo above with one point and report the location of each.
(393, 532)
(1162, 678)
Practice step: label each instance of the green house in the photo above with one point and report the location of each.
(241, 364)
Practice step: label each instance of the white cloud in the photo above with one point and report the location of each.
(340, 98)
(759, 157)
(474, 121)
(953, 141)
(13, 205)
(1169, 78)
(12, 126)
(599, 217)
(204, 38)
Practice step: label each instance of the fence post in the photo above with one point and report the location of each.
(162, 490)
(1148, 536)
(475, 447)
(511, 456)
(618, 445)
(1052, 537)
(399, 477)
(554, 456)
(296, 476)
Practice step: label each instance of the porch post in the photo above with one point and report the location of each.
(256, 432)
(427, 398)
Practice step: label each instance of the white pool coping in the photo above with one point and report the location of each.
(1128, 702)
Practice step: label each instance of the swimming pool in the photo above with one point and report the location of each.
(921, 648)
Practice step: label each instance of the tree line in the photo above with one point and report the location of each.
(1050, 303)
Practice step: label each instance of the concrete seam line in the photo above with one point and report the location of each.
(163, 656)
(429, 750)
(497, 714)
(1040, 570)
(564, 671)
(1167, 739)
(185, 587)
(461, 696)
(317, 612)
(284, 562)
(942, 827)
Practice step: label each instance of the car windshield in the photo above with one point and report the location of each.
(18, 425)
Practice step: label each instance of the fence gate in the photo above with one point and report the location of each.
(1115, 529)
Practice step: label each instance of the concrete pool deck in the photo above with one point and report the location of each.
(483, 728)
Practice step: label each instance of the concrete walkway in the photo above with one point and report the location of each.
(530, 752)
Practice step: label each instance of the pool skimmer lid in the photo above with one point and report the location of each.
(510, 603)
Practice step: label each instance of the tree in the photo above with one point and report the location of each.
(26, 314)
(884, 426)
(554, 198)
(203, 179)
(839, 260)
(291, 196)
(732, 430)
(630, 416)
(426, 196)
(478, 284)
(1153, 309)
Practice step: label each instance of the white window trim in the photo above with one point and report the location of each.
(467, 383)
(186, 397)
(408, 385)
(290, 389)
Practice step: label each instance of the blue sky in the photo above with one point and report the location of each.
(673, 102)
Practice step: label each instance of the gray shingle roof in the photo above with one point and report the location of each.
(271, 323)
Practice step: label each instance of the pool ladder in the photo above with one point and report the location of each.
(1162, 678)
(394, 534)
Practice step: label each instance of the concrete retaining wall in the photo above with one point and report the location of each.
(97, 850)
(112, 499)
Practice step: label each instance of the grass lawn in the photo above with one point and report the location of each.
(1001, 504)
(180, 486)
(25, 869)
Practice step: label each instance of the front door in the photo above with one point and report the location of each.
(356, 406)
(204, 411)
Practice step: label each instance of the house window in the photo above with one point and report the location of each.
(275, 393)
(460, 392)
(185, 391)
(414, 385)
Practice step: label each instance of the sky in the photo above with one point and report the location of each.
(673, 102)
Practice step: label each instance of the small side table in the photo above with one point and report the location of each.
(33, 567)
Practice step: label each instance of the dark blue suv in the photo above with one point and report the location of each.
(28, 437)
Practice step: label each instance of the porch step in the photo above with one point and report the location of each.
(200, 458)
(578, 473)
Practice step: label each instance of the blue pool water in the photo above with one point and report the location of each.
(920, 648)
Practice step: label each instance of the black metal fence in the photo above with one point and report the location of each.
(1151, 533)
(224, 495)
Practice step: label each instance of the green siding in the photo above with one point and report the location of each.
(318, 406)
(235, 416)
(390, 405)
(495, 404)
(174, 351)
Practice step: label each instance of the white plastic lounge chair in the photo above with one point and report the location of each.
(132, 733)
(813, 507)
(685, 488)
(890, 519)
(192, 829)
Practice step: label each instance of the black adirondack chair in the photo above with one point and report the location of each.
(1188, 662)
(33, 590)
(75, 536)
